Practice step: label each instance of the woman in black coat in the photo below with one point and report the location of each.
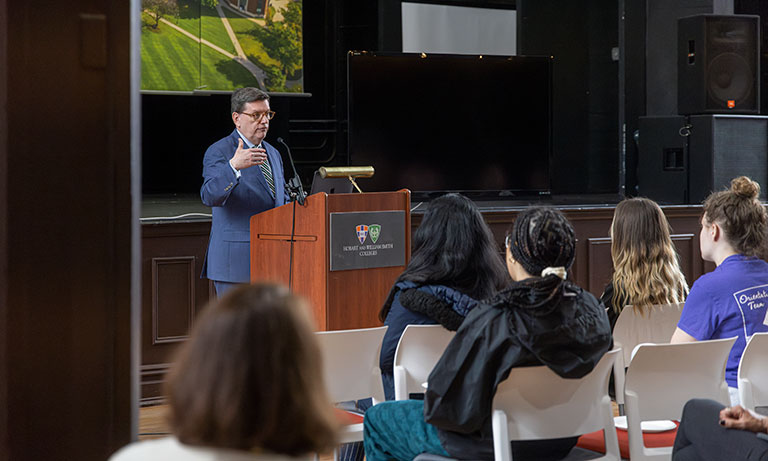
(540, 319)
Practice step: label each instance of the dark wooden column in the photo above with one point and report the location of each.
(66, 229)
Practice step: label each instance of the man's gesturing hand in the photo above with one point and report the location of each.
(246, 158)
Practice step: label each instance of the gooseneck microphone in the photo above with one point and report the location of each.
(294, 184)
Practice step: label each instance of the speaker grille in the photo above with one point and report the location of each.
(718, 65)
(730, 76)
(722, 147)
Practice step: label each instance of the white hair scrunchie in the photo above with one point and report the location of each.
(558, 271)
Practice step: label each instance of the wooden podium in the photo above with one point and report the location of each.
(340, 299)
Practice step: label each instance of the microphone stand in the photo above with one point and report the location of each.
(296, 192)
(294, 184)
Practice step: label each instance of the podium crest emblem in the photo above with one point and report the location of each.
(374, 230)
(362, 232)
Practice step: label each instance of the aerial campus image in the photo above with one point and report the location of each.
(213, 45)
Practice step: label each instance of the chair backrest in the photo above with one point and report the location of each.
(351, 363)
(662, 377)
(655, 325)
(539, 404)
(753, 372)
(419, 349)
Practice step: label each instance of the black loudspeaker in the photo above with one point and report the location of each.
(718, 64)
(660, 59)
(662, 166)
(683, 159)
(722, 147)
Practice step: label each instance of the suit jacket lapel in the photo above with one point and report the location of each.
(253, 174)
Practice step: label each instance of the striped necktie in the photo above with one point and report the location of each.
(267, 170)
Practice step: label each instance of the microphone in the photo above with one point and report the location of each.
(294, 184)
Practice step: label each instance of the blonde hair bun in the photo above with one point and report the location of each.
(745, 187)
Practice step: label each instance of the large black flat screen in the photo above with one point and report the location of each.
(437, 123)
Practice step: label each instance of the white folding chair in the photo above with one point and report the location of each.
(662, 377)
(753, 373)
(351, 369)
(632, 328)
(419, 349)
(535, 403)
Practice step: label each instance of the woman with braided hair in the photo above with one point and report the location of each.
(731, 300)
(540, 319)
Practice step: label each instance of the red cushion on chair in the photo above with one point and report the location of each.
(594, 441)
(347, 418)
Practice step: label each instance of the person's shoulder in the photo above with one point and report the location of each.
(571, 290)
(226, 142)
(585, 301)
(484, 313)
(170, 448)
(757, 264)
(448, 294)
(608, 290)
(148, 450)
(723, 277)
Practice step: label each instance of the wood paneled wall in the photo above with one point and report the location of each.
(172, 295)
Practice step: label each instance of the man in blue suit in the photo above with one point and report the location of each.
(242, 176)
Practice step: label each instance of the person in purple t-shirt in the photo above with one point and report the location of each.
(732, 300)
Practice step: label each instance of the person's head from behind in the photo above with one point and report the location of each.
(251, 113)
(540, 243)
(250, 377)
(453, 246)
(645, 263)
(734, 221)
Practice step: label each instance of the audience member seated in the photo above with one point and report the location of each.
(739, 436)
(646, 267)
(731, 300)
(247, 385)
(541, 318)
(454, 263)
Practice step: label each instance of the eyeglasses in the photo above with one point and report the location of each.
(507, 240)
(256, 116)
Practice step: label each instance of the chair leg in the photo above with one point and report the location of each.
(501, 448)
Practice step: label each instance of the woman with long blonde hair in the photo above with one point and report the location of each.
(646, 267)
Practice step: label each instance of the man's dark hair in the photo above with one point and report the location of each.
(242, 96)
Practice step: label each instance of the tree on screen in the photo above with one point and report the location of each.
(160, 8)
(283, 38)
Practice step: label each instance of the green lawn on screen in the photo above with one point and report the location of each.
(172, 61)
(252, 48)
(210, 26)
